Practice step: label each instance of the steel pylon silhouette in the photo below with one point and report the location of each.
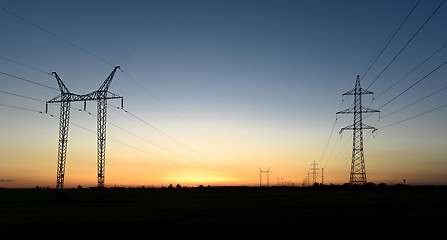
(260, 176)
(358, 171)
(65, 98)
(314, 172)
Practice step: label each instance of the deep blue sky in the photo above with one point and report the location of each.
(223, 89)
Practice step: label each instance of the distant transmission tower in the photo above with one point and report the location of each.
(260, 176)
(314, 172)
(65, 98)
(322, 176)
(358, 172)
(268, 173)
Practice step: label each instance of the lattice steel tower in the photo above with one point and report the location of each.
(314, 172)
(358, 172)
(101, 95)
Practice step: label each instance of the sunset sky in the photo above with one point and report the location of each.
(224, 92)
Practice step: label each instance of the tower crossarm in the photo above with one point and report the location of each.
(67, 97)
(363, 109)
(369, 110)
(352, 127)
(358, 91)
(99, 95)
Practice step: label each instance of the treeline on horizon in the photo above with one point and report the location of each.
(315, 186)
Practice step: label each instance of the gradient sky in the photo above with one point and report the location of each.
(215, 91)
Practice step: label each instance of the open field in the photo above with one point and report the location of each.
(128, 213)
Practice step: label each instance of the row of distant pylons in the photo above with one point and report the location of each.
(358, 170)
(65, 98)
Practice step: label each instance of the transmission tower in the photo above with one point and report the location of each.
(314, 172)
(322, 176)
(280, 181)
(268, 173)
(308, 178)
(65, 98)
(260, 176)
(358, 172)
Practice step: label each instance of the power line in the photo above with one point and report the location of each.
(21, 108)
(135, 135)
(152, 143)
(102, 59)
(56, 36)
(414, 69)
(392, 37)
(140, 119)
(415, 116)
(330, 137)
(97, 57)
(18, 95)
(30, 81)
(92, 131)
(411, 104)
(414, 84)
(89, 130)
(406, 75)
(170, 137)
(34, 99)
(162, 103)
(406, 44)
(401, 51)
(332, 131)
(25, 65)
(163, 148)
(165, 134)
(126, 111)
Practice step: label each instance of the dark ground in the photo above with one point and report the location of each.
(231, 212)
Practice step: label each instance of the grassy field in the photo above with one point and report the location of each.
(128, 213)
